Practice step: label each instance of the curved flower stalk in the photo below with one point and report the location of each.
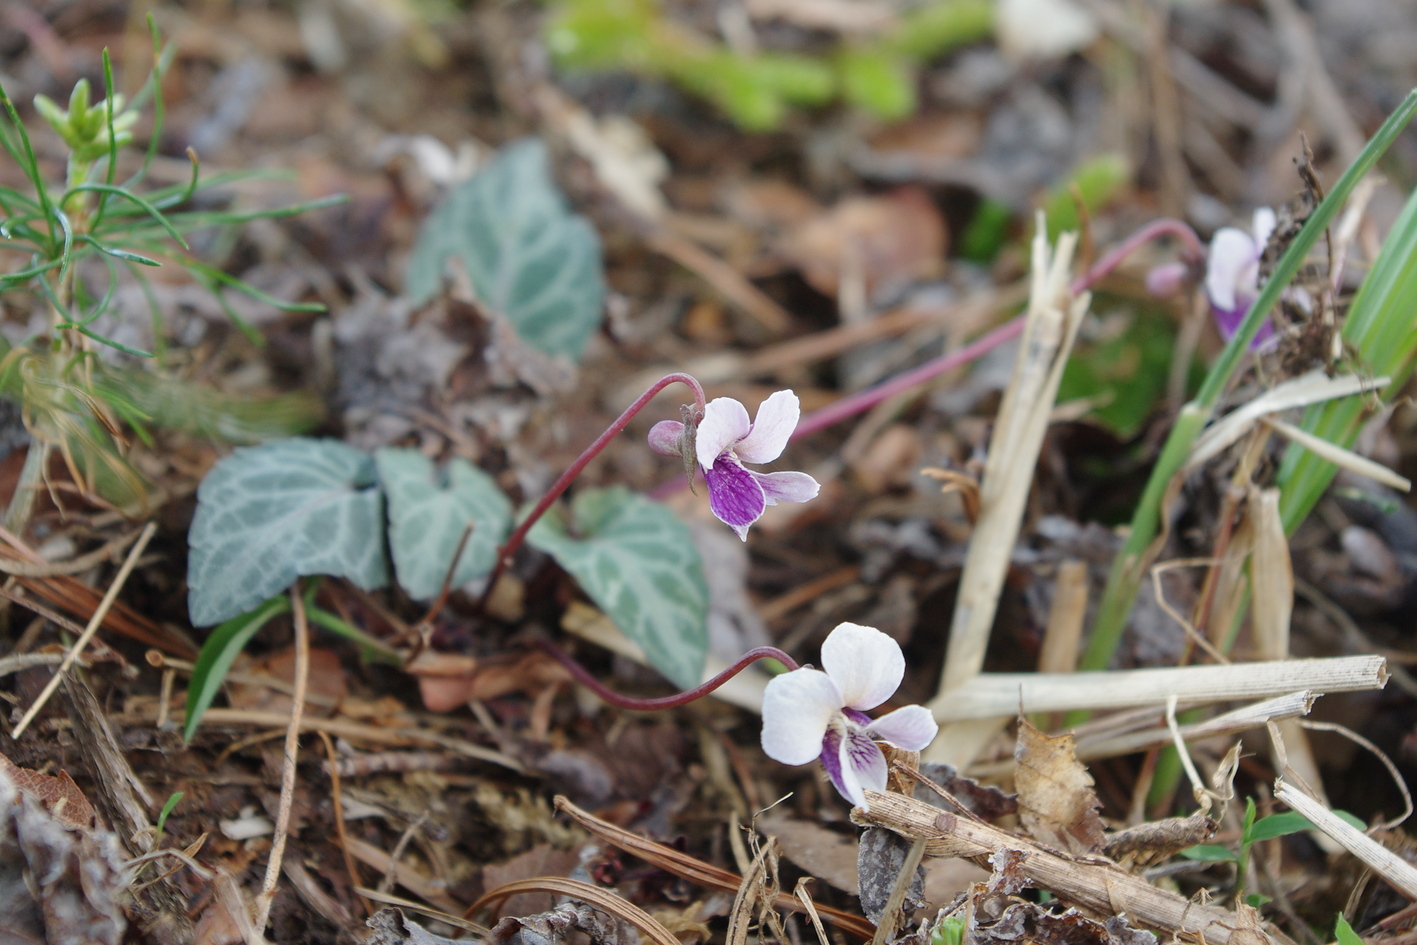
(820, 713)
(1232, 274)
(723, 441)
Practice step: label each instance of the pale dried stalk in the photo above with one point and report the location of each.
(1065, 619)
(1088, 882)
(1311, 388)
(1345, 458)
(95, 622)
(1271, 607)
(287, 769)
(1243, 719)
(1052, 323)
(1394, 870)
(994, 695)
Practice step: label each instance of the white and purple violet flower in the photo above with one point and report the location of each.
(1232, 274)
(820, 713)
(724, 440)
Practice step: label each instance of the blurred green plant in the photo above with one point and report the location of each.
(1254, 830)
(876, 74)
(71, 399)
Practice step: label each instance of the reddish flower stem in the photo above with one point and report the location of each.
(583, 676)
(518, 535)
(1193, 252)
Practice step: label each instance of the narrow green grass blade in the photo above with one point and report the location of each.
(147, 207)
(1380, 326)
(28, 161)
(217, 655)
(1130, 565)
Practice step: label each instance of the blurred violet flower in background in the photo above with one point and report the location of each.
(819, 713)
(1232, 274)
(724, 440)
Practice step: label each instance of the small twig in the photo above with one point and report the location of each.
(387, 882)
(1397, 778)
(337, 800)
(292, 750)
(38, 569)
(890, 916)
(89, 630)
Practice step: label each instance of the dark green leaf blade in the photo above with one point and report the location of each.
(267, 514)
(638, 562)
(217, 655)
(427, 516)
(528, 257)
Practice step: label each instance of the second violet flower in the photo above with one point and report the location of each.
(724, 440)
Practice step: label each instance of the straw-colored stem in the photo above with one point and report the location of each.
(1005, 694)
(1391, 868)
(95, 622)
(292, 751)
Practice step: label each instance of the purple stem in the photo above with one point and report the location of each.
(583, 676)
(518, 535)
(849, 406)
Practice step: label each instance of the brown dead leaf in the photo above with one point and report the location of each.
(58, 794)
(819, 851)
(541, 860)
(326, 686)
(449, 680)
(1056, 803)
(888, 241)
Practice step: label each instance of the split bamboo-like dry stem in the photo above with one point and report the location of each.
(1394, 870)
(1091, 882)
(1006, 694)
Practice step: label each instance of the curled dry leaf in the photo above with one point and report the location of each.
(1056, 803)
(57, 794)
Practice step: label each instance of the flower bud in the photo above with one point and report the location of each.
(1166, 280)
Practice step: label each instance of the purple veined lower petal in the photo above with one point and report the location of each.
(734, 494)
(866, 664)
(798, 709)
(787, 486)
(725, 422)
(861, 766)
(1232, 253)
(911, 727)
(665, 437)
(777, 418)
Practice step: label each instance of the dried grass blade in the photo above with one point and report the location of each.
(603, 899)
(1394, 870)
(1305, 390)
(696, 871)
(1340, 456)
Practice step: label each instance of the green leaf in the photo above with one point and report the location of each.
(1256, 900)
(1277, 825)
(1210, 853)
(1380, 328)
(879, 81)
(528, 256)
(168, 808)
(1124, 367)
(1344, 934)
(267, 514)
(428, 513)
(217, 655)
(638, 562)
